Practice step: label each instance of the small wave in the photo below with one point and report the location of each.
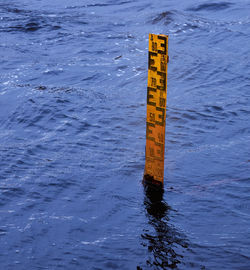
(7, 9)
(17, 10)
(12, 191)
(211, 6)
(166, 17)
(31, 26)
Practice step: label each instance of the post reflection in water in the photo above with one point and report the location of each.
(165, 244)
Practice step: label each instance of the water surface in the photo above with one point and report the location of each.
(73, 80)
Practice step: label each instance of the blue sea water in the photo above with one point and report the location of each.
(73, 79)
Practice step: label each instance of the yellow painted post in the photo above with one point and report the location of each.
(156, 109)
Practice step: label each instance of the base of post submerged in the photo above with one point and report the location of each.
(153, 189)
(150, 182)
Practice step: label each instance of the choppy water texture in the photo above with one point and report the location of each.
(72, 118)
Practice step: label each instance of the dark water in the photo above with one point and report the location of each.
(72, 131)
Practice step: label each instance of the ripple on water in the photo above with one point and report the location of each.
(211, 6)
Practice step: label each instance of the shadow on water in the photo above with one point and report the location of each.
(165, 244)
